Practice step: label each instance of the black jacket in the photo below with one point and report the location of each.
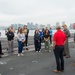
(10, 35)
(36, 37)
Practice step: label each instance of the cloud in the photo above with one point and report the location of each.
(37, 11)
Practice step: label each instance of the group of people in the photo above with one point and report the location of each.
(43, 36)
(60, 43)
(59, 39)
(22, 39)
(61, 47)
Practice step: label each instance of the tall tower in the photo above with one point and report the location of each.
(63, 22)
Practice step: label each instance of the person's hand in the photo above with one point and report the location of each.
(16, 36)
(38, 41)
(46, 40)
(53, 47)
(22, 40)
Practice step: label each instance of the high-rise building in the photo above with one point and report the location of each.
(57, 23)
(48, 25)
(42, 26)
(15, 26)
(71, 26)
(63, 22)
(20, 25)
(29, 25)
(36, 25)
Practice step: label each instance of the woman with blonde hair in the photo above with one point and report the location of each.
(26, 31)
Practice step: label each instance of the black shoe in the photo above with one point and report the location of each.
(64, 54)
(0, 56)
(7, 49)
(2, 53)
(26, 48)
(62, 70)
(12, 51)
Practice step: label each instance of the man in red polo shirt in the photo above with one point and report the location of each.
(58, 43)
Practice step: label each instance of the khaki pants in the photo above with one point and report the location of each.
(47, 46)
(10, 46)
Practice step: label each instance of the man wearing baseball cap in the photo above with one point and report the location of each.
(66, 46)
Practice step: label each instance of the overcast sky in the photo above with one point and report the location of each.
(37, 11)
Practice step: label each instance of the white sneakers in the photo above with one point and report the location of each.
(20, 54)
(38, 51)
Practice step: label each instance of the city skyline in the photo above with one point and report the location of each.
(37, 11)
(33, 26)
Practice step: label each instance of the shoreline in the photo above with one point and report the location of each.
(31, 33)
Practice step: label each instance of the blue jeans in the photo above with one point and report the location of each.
(20, 46)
